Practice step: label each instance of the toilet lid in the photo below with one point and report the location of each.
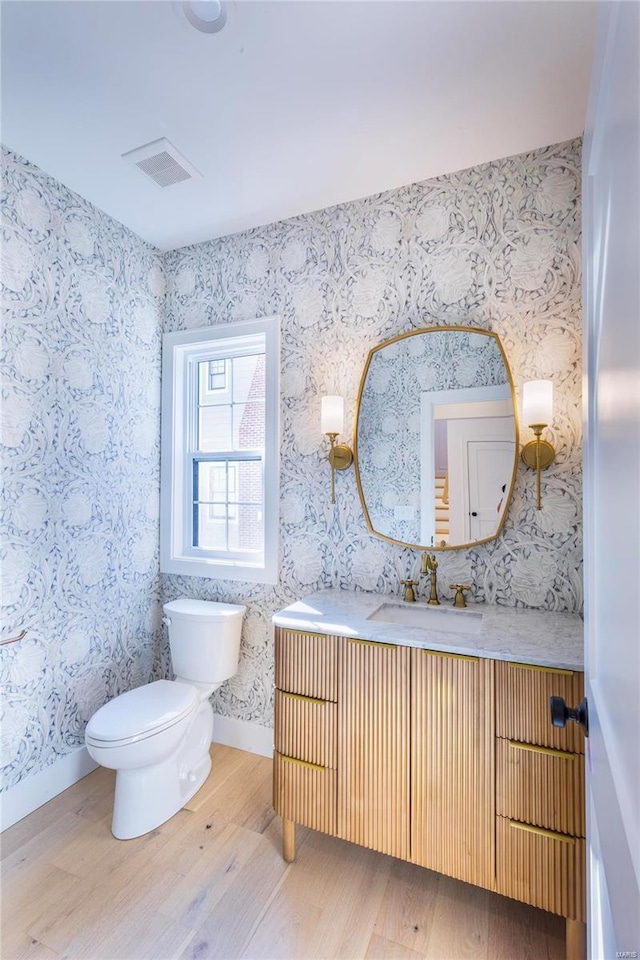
(208, 610)
(142, 711)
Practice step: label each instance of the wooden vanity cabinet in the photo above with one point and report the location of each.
(449, 761)
(540, 805)
(452, 765)
(305, 733)
(373, 746)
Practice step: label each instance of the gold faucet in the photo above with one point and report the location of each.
(430, 566)
(409, 593)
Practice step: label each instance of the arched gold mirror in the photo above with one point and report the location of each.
(436, 438)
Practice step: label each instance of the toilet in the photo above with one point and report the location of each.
(157, 737)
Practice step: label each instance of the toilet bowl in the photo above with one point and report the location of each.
(157, 737)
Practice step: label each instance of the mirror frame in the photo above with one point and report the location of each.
(516, 456)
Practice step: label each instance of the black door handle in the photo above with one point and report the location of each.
(473, 513)
(561, 713)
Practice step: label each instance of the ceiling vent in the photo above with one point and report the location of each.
(162, 163)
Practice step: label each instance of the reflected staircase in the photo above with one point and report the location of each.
(442, 510)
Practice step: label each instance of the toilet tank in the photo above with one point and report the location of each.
(204, 636)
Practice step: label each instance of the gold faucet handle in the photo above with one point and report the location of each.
(459, 599)
(409, 592)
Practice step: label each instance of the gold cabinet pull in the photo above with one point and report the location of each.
(541, 832)
(15, 639)
(373, 643)
(451, 656)
(302, 763)
(550, 751)
(539, 669)
(303, 633)
(301, 696)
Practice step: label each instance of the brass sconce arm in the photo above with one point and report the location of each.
(538, 454)
(340, 458)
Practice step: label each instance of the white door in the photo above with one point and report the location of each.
(480, 461)
(490, 469)
(611, 173)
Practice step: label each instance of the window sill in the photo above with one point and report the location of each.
(219, 570)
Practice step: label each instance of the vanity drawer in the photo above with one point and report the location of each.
(305, 728)
(540, 786)
(307, 663)
(541, 867)
(522, 704)
(304, 793)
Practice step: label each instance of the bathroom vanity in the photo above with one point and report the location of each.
(424, 733)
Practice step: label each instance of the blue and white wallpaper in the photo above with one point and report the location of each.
(82, 302)
(495, 246)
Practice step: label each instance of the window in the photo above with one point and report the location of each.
(217, 375)
(220, 452)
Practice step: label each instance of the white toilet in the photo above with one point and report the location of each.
(157, 737)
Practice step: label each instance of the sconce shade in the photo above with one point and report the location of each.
(332, 414)
(537, 402)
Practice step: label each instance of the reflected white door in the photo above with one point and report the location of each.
(612, 484)
(490, 468)
(480, 458)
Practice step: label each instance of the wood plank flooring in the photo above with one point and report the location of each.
(211, 883)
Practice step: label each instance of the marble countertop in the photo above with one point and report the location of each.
(506, 633)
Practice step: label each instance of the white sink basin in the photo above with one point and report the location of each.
(445, 620)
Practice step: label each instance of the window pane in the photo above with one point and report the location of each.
(214, 428)
(248, 474)
(239, 481)
(217, 376)
(210, 530)
(245, 532)
(248, 426)
(213, 382)
(243, 521)
(212, 482)
(248, 375)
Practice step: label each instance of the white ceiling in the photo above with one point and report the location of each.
(292, 107)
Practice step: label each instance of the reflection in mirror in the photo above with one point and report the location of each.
(436, 438)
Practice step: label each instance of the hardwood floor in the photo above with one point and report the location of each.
(211, 883)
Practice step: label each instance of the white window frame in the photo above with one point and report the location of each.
(180, 351)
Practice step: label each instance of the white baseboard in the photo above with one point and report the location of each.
(29, 794)
(32, 792)
(243, 735)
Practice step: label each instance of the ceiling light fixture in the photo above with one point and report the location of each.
(207, 16)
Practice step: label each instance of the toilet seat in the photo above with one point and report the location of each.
(141, 713)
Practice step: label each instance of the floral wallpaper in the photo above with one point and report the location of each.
(390, 422)
(82, 301)
(496, 246)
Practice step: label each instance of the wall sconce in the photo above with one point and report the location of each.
(537, 413)
(332, 420)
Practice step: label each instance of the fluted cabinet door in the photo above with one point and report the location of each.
(373, 746)
(453, 771)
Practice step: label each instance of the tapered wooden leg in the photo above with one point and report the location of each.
(576, 939)
(288, 840)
